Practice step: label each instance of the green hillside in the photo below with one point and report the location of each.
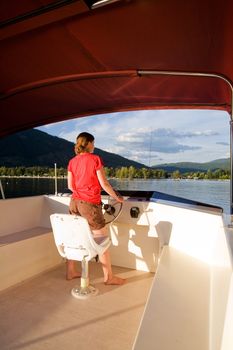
(185, 167)
(37, 148)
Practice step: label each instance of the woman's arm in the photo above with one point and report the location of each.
(70, 181)
(106, 185)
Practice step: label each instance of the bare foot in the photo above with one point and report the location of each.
(70, 276)
(115, 281)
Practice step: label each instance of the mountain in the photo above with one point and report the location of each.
(185, 167)
(37, 148)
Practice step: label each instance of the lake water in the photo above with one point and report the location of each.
(206, 191)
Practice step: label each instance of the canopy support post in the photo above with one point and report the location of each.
(231, 158)
(208, 75)
(231, 165)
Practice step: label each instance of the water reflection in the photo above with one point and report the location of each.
(22, 187)
(207, 191)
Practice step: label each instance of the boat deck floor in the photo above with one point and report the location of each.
(42, 314)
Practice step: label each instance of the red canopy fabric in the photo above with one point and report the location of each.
(62, 62)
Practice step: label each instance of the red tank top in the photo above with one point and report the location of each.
(85, 181)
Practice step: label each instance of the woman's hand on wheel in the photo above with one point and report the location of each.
(120, 199)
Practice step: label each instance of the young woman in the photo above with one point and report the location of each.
(86, 178)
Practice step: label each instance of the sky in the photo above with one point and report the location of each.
(154, 137)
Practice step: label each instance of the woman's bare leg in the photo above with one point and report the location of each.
(109, 278)
(71, 270)
(105, 260)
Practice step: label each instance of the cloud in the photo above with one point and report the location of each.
(158, 140)
(162, 132)
(222, 143)
(154, 136)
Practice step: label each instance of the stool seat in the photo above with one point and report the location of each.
(74, 241)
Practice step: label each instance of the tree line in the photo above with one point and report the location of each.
(119, 173)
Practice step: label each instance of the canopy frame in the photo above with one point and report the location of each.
(209, 75)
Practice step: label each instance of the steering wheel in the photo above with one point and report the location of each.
(111, 210)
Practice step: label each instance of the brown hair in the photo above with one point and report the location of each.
(82, 141)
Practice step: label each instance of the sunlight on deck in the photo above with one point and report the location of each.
(42, 314)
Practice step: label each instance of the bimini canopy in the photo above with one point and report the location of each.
(66, 59)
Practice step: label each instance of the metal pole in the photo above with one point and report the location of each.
(85, 274)
(55, 177)
(150, 148)
(231, 167)
(1, 189)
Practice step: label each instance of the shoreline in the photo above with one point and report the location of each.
(110, 178)
(32, 177)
